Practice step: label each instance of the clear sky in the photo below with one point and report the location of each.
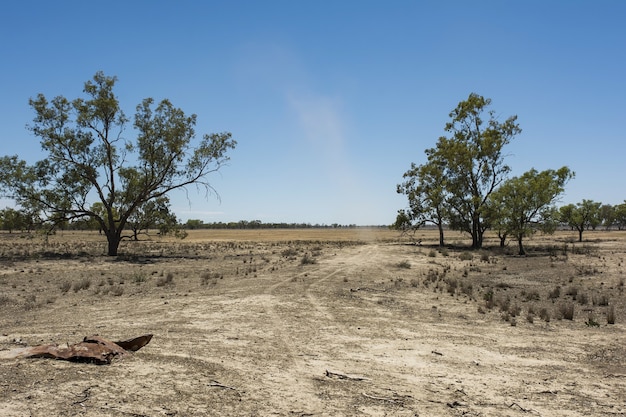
(331, 101)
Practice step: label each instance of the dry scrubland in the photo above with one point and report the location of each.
(318, 323)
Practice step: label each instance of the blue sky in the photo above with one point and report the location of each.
(331, 101)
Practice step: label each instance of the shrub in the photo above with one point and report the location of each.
(601, 300)
(466, 256)
(544, 314)
(610, 315)
(307, 260)
(166, 280)
(83, 284)
(555, 293)
(489, 299)
(567, 311)
(404, 264)
(65, 286)
(531, 296)
(573, 292)
(432, 253)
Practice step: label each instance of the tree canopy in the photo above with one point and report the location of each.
(581, 216)
(90, 159)
(462, 170)
(521, 203)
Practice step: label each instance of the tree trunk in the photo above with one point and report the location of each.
(114, 242)
(477, 237)
(441, 244)
(502, 240)
(522, 252)
(580, 234)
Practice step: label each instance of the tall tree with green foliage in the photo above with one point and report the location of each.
(620, 216)
(91, 159)
(523, 203)
(581, 216)
(472, 161)
(424, 187)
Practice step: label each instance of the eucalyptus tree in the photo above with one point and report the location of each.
(89, 158)
(620, 216)
(472, 162)
(581, 215)
(522, 204)
(424, 186)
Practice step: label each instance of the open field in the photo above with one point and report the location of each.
(318, 322)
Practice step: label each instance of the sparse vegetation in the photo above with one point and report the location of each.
(353, 291)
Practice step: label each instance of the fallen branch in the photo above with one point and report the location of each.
(86, 395)
(525, 410)
(219, 385)
(338, 375)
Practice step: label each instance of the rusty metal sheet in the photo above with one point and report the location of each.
(93, 349)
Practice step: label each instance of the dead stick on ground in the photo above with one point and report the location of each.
(330, 374)
(219, 385)
(525, 410)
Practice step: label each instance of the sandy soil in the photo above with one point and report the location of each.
(322, 327)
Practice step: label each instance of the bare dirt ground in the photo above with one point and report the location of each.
(317, 323)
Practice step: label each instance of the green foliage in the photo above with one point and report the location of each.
(521, 203)
(462, 171)
(424, 187)
(581, 216)
(87, 157)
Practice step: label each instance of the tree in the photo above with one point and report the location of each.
(425, 190)
(153, 214)
(472, 161)
(620, 216)
(89, 158)
(525, 202)
(607, 216)
(10, 219)
(580, 216)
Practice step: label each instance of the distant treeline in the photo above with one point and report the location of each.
(193, 224)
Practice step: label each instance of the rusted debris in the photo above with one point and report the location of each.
(93, 349)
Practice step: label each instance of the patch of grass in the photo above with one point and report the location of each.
(530, 296)
(165, 280)
(65, 286)
(138, 277)
(544, 314)
(289, 253)
(307, 260)
(466, 256)
(572, 292)
(600, 300)
(210, 278)
(404, 265)
(432, 253)
(555, 293)
(566, 311)
(83, 284)
(489, 299)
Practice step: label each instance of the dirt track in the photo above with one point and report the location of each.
(254, 329)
